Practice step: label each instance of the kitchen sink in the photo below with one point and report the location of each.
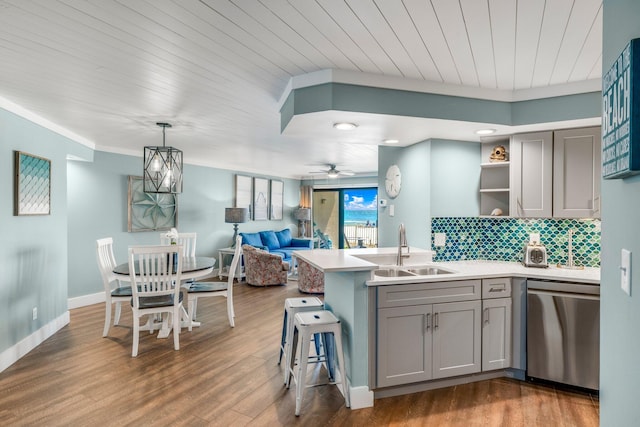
(392, 272)
(427, 271)
(395, 271)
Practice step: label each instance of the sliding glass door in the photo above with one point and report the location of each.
(346, 217)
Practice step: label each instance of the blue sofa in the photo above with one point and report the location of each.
(277, 242)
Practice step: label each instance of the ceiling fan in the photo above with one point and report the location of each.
(332, 172)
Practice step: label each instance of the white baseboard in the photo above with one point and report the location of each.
(14, 353)
(361, 397)
(85, 300)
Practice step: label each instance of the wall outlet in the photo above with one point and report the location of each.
(440, 239)
(392, 210)
(34, 313)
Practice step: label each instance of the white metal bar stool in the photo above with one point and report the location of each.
(307, 324)
(291, 307)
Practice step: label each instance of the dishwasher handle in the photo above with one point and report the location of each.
(564, 294)
(567, 288)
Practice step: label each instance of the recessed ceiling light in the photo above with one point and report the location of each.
(345, 126)
(391, 141)
(485, 131)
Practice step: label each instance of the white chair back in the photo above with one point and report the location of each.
(114, 292)
(106, 260)
(155, 286)
(237, 254)
(217, 289)
(186, 240)
(156, 274)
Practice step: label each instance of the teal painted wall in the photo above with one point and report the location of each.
(346, 297)
(455, 178)
(33, 271)
(366, 99)
(620, 314)
(98, 208)
(412, 204)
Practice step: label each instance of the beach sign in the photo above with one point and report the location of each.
(621, 115)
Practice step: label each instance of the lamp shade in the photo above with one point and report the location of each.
(302, 214)
(236, 215)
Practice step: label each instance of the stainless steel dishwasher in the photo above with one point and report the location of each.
(563, 333)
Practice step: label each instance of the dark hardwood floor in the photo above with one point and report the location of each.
(230, 377)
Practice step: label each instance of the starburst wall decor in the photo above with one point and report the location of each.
(150, 211)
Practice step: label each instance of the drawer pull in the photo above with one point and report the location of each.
(496, 289)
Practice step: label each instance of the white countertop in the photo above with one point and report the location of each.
(333, 260)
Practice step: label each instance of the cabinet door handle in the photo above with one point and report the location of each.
(427, 320)
(596, 205)
(435, 321)
(486, 315)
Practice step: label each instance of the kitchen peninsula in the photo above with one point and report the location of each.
(351, 292)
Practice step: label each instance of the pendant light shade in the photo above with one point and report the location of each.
(162, 167)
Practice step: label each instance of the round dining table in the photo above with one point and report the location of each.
(192, 268)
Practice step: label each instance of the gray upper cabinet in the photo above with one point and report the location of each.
(531, 175)
(576, 173)
(556, 174)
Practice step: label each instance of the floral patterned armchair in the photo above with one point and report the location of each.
(262, 268)
(310, 279)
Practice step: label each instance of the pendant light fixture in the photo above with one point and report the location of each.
(162, 167)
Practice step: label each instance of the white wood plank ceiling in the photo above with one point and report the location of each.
(107, 70)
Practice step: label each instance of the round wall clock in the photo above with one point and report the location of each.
(393, 181)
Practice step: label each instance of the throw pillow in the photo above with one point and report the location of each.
(269, 239)
(284, 237)
(252, 239)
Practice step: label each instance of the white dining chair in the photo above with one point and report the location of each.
(217, 289)
(186, 240)
(153, 278)
(114, 291)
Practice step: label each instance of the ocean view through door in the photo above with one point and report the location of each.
(346, 218)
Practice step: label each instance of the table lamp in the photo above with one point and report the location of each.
(236, 216)
(303, 215)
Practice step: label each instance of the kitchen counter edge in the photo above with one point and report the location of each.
(343, 260)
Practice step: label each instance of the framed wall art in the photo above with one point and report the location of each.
(244, 193)
(277, 200)
(32, 185)
(260, 199)
(620, 131)
(150, 211)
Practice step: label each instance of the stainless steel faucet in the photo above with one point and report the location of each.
(570, 249)
(402, 243)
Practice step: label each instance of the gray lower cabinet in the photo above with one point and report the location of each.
(456, 338)
(428, 341)
(404, 345)
(496, 323)
(496, 334)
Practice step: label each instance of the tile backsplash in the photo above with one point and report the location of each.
(502, 239)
